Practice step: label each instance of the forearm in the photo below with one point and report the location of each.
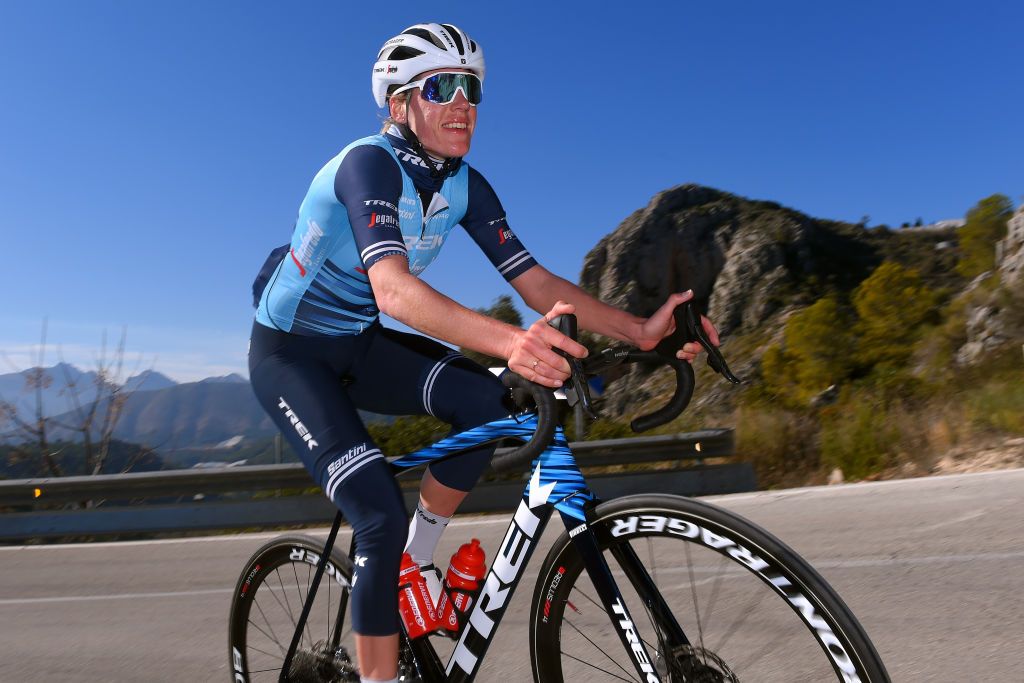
(413, 302)
(541, 289)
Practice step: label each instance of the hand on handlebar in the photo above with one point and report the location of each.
(532, 354)
(662, 323)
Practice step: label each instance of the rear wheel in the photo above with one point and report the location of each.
(266, 607)
(750, 608)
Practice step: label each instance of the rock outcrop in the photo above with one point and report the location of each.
(747, 261)
(994, 313)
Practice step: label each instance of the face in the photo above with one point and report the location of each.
(444, 130)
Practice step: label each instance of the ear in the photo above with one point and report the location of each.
(398, 108)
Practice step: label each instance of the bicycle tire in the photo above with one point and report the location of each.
(275, 582)
(739, 550)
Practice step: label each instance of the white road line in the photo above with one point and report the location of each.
(117, 596)
(701, 569)
(857, 487)
(504, 519)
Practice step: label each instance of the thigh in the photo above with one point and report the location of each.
(307, 400)
(408, 374)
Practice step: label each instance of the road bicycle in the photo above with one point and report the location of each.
(641, 588)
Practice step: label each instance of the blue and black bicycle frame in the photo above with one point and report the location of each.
(556, 484)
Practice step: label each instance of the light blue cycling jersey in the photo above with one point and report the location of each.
(374, 199)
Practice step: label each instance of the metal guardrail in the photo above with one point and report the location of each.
(211, 499)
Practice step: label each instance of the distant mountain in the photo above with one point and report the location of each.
(148, 380)
(192, 414)
(60, 385)
(233, 378)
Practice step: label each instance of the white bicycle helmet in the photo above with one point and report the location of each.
(420, 48)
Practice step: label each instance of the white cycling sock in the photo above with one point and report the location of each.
(374, 680)
(425, 531)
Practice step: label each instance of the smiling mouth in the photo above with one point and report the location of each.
(457, 125)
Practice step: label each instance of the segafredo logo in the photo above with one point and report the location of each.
(640, 524)
(505, 571)
(303, 255)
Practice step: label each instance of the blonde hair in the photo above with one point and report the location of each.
(388, 122)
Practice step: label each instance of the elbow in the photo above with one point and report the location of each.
(389, 295)
(388, 302)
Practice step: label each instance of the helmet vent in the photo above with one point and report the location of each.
(454, 33)
(404, 52)
(472, 45)
(426, 35)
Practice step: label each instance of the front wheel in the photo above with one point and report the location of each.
(714, 598)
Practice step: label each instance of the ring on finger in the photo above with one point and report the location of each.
(535, 363)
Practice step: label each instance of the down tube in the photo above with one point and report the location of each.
(506, 571)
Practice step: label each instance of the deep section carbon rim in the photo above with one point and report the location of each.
(751, 609)
(265, 610)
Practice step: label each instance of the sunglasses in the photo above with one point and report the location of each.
(441, 88)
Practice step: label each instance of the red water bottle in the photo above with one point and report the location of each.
(414, 603)
(461, 584)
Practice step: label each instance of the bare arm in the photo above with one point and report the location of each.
(408, 299)
(539, 288)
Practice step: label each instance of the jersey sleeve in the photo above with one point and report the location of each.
(486, 223)
(369, 184)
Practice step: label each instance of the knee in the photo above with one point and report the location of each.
(471, 395)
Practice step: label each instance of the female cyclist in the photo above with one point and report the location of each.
(374, 217)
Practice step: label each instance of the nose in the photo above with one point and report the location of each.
(460, 100)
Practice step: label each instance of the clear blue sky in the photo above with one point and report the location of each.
(151, 154)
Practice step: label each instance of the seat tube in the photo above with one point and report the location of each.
(506, 570)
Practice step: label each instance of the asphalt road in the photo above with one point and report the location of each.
(934, 569)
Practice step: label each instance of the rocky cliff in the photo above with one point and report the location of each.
(749, 263)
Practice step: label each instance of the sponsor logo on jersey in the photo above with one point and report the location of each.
(303, 256)
(382, 219)
(405, 155)
(425, 243)
(505, 234)
(380, 202)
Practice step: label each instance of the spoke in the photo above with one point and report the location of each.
(605, 612)
(696, 607)
(264, 671)
(606, 671)
(302, 600)
(273, 636)
(758, 597)
(598, 648)
(709, 607)
(650, 556)
(284, 592)
(263, 652)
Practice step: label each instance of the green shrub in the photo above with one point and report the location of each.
(998, 405)
(782, 445)
(858, 437)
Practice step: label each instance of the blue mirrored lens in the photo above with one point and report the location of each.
(441, 88)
